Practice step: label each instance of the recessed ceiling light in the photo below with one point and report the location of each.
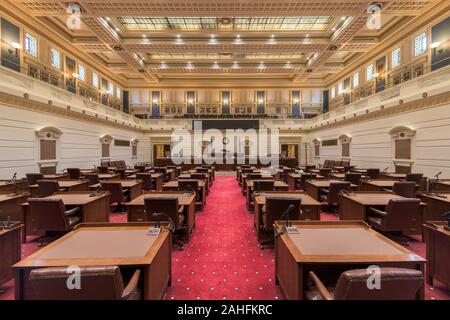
(261, 65)
(238, 40)
(144, 36)
(435, 45)
(117, 29)
(163, 65)
(179, 40)
(288, 65)
(215, 65)
(272, 40)
(334, 29)
(189, 65)
(213, 40)
(343, 18)
(235, 65)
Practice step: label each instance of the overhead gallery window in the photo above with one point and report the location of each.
(55, 58)
(369, 72)
(81, 72)
(95, 82)
(356, 80)
(31, 45)
(395, 58)
(420, 44)
(333, 92)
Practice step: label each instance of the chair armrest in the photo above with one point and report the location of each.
(325, 191)
(181, 209)
(387, 190)
(71, 211)
(320, 286)
(377, 212)
(132, 285)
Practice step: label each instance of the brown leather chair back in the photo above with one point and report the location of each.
(139, 168)
(304, 177)
(373, 173)
(92, 178)
(325, 172)
(335, 188)
(167, 205)
(263, 185)
(198, 175)
(353, 177)
(115, 190)
(345, 163)
(47, 187)
(308, 168)
(105, 164)
(326, 164)
(202, 170)
(415, 177)
(49, 213)
(102, 169)
(254, 176)
(121, 173)
(395, 284)
(32, 178)
(74, 173)
(147, 180)
(188, 185)
(97, 283)
(276, 206)
(286, 172)
(401, 214)
(160, 170)
(404, 188)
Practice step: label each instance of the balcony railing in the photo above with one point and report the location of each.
(57, 78)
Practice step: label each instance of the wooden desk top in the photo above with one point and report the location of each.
(306, 199)
(174, 183)
(277, 184)
(6, 182)
(439, 226)
(152, 175)
(326, 183)
(299, 175)
(7, 197)
(127, 183)
(372, 198)
(395, 175)
(76, 198)
(381, 183)
(100, 244)
(14, 226)
(338, 175)
(343, 242)
(441, 196)
(55, 176)
(107, 176)
(66, 183)
(184, 199)
(443, 182)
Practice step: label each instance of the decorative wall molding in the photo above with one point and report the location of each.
(343, 138)
(390, 93)
(134, 142)
(106, 139)
(49, 133)
(402, 132)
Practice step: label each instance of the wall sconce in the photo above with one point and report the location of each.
(435, 46)
(296, 101)
(225, 102)
(16, 46)
(75, 75)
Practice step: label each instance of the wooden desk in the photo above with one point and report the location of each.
(173, 186)
(136, 208)
(338, 176)
(69, 185)
(437, 204)
(377, 185)
(354, 246)
(355, 206)
(10, 249)
(157, 180)
(294, 178)
(6, 186)
(437, 238)
(57, 176)
(10, 206)
(310, 207)
(395, 176)
(188, 175)
(278, 186)
(126, 245)
(93, 209)
(107, 176)
(133, 187)
(313, 187)
(442, 185)
(245, 181)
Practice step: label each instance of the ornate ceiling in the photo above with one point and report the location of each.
(203, 39)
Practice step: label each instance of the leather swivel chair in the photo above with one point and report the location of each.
(400, 215)
(325, 172)
(326, 164)
(117, 194)
(303, 178)
(395, 284)
(93, 180)
(373, 173)
(353, 177)
(97, 283)
(121, 172)
(404, 188)
(147, 180)
(308, 168)
(51, 216)
(32, 178)
(74, 173)
(273, 210)
(48, 187)
(415, 177)
(260, 185)
(102, 169)
(170, 207)
(139, 168)
(202, 170)
(163, 171)
(198, 176)
(286, 172)
(331, 196)
(191, 185)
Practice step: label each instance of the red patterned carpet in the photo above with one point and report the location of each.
(223, 259)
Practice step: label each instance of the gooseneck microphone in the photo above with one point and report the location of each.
(385, 169)
(192, 189)
(285, 215)
(157, 216)
(14, 178)
(436, 176)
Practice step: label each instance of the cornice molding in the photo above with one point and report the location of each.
(27, 104)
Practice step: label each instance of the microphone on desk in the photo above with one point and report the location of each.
(192, 189)
(14, 178)
(436, 176)
(447, 214)
(7, 224)
(95, 193)
(385, 169)
(285, 215)
(157, 216)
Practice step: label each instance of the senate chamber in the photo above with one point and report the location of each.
(224, 150)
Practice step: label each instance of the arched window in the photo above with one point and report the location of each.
(402, 148)
(48, 149)
(134, 144)
(345, 146)
(316, 143)
(106, 146)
